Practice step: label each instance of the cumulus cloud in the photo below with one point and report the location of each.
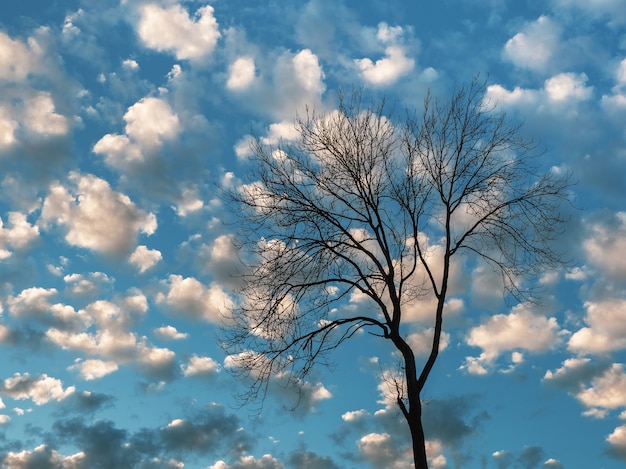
(605, 246)
(94, 369)
(266, 461)
(149, 123)
(381, 450)
(519, 330)
(617, 442)
(606, 331)
(171, 29)
(42, 456)
(393, 65)
(18, 59)
(560, 93)
(535, 46)
(95, 216)
(143, 258)
(200, 366)
(188, 297)
(169, 333)
(113, 341)
(87, 284)
(607, 391)
(40, 389)
(421, 342)
(241, 73)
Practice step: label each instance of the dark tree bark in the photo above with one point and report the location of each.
(346, 207)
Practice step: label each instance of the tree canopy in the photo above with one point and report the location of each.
(372, 204)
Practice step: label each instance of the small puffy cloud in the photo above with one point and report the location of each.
(560, 93)
(241, 73)
(89, 284)
(535, 46)
(394, 65)
(42, 456)
(552, 464)
(95, 216)
(606, 331)
(422, 342)
(40, 389)
(143, 258)
(41, 118)
(32, 301)
(567, 87)
(190, 298)
(519, 330)
(355, 415)
(189, 202)
(171, 29)
(381, 450)
(94, 369)
(607, 391)
(617, 442)
(308, 72)
(17, 59)
(605, 246)
(200, 366)
(169, 333)
(149, 123)
(266, 461)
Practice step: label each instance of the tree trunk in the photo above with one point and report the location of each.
(414, 419)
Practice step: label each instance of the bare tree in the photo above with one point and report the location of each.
(348, 209)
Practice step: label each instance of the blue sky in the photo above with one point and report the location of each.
(120, 120)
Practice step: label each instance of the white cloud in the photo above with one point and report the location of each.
(94, 369)
(31, 301)
(381, 450)
(95, 216)
(266, 461)
(88, 284)
(617, 440)
(144, 258)
(188, 297)
(393, 65)
(606, 331)
(149, 123)
(171, 29)
(308, 72)
(605, 246)
(242, 73)
(561, 94)
(355, 415)
(189, 202)
(607, 391)
(169, 333)
(200, 366)
(42, 456)
(19, 234)
(519, 330)
(387, 70)
(421, 342)
(18, 60)
(41, 389)
(41, 118)
(535, 46)
(568, 87)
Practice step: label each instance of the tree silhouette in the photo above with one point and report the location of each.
(348, 208)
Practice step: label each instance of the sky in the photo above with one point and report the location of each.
(120, 122)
